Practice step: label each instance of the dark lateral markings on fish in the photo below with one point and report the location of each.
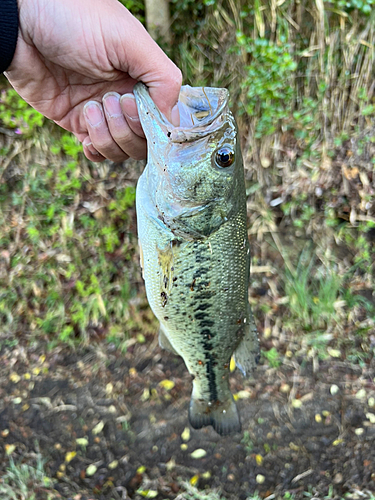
(211, 376)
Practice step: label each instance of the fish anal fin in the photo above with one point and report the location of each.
(164, 341)
(247, 353)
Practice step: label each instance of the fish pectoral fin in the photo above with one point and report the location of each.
(223, 417)
(247, 353)
(164, 341)
(141, 259)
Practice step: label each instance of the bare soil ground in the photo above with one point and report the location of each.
(303, 430)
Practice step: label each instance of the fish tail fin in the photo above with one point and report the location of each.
(223, 417)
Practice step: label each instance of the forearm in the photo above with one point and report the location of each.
(8, 32)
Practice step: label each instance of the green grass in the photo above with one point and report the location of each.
(65, 240)
(314, 294)
(26, 482)
(301, 90)
(193, 493)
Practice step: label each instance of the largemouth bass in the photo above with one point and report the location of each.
(195, 256)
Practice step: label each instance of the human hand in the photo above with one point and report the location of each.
(73, 56)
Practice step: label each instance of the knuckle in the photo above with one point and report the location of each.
(105, 146)
(176, 79)
(122, 136)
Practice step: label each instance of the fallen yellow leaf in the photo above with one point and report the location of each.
(69, 456)
(194, 480)
(9, 448)
(91, 469)
(167, 384)
(199, 453)
(232, 365)
(98, 428)
(337, 441)
(185, 436)
(14, 377)
(82, 441)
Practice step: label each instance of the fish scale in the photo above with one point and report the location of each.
(196, 270)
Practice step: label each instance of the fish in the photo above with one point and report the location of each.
(194, 247)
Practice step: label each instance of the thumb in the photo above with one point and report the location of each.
(146, 62)
(164, 91)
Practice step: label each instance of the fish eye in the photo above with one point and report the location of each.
(224, 157)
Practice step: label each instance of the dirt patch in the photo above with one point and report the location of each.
(302, 431)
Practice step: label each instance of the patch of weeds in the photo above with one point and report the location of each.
(136, 7)
(318, 342)
(192, 493)
(25, 482)
(273, 357)
(268, 82)
(305, 122)
(288, 496)
(299, 210)
(118, 338)
(364, 6)
(247, 442)
(74, 275)
(360, 239)
(323, 306)
(16, 114)
(312, 293)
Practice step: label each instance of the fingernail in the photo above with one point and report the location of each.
(129, 106)
(175, 116)
(92, 150)
(112, 104)
(89, 146)
(93, 113)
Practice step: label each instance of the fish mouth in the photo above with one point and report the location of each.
(202, 112)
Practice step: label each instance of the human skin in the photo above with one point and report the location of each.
(76, 62)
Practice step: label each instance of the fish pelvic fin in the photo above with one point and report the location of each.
(247, 353)
(164, 341)
(223, 417)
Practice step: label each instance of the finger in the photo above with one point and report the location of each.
(126, 137)
(90, 152)
(145, 61)
(130, 110)
(99, 133)
(162, 100)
